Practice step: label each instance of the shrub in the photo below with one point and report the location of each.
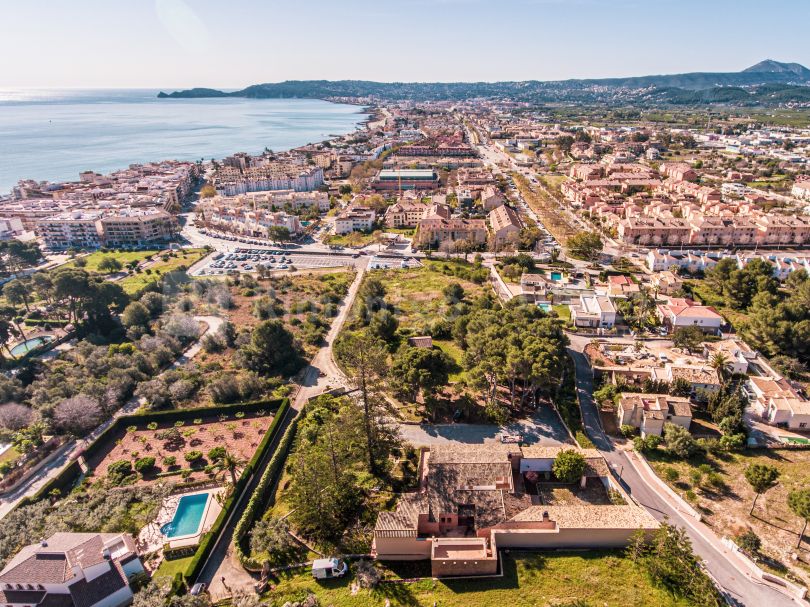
(193, 456)
(179, 423)
(749, 542)
(680, 442)
(691, 496)
(628, 431)
(152, 426)
(216, 454)
(169, 461)
(145, 464)
(671, 475)
(131, 429)
(119, 468)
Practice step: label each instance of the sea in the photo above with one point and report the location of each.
(56, 134)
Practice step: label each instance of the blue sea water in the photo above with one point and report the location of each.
(55, 134)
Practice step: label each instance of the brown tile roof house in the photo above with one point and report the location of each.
(473, 501)
(72, 570)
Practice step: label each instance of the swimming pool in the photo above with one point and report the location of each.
(545, 307)
(30, 344)
(556, 276)
(188, 517)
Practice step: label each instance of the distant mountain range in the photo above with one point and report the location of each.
(766, 83)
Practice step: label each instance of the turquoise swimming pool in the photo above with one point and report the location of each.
(188, 516)
(545, 307)
(556, 276)
(31, 344)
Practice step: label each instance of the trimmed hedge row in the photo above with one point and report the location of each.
(261, 497)
(62, 481)
(209, 539)
(54, 322)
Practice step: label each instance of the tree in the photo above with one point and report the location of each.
(229, 463)
(384, 325)
(365, 359)
(719, 362)
(17, 292)
(271, 536)
(761, 477)
(136, 315)
(680, 441)
(78, 414)
(14, 416)
(799, 503)
(420, 370)
(272, 350)
(109, 264)
(689, 338)
(453, 293)
(750, 542)
(278, 234)
(586, 246)
(568, 466)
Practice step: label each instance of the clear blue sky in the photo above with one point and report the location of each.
(232, 43)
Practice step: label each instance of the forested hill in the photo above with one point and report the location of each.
(767, 82)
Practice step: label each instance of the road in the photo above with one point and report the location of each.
(320, 375)
(722, 563)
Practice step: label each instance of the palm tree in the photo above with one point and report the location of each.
(17, 321)
(229, 463)
(719, 362)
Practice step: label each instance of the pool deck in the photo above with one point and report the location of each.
(151, 539)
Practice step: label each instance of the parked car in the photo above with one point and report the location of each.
(197, 589)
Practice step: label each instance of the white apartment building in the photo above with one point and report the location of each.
(74, 229)
(10, 227)
(354, 219)
(137, 227)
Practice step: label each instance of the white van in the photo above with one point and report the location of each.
(324, 569)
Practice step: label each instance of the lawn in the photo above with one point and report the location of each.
(449, 347)
(727, 508)
(531, 579)
(563, 311)
(9, 455)
(168, 569)
(124, 257)
(181, 259)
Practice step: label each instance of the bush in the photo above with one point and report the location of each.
(647, 444)
(671, 475)
(628, 431)
(691, 496)
(145, 464)
(119, 468)
(169, 461)
(193, 456)
(216, 454)
(749, 542)
(680, 442)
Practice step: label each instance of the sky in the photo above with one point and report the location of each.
(171, 44)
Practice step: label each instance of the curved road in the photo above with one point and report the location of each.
(726, 567)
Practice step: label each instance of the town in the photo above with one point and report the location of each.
(474, 344)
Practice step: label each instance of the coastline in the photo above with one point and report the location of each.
(150, 133)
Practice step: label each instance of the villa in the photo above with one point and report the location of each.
(72, 570)
(474, 501)
(649, 412)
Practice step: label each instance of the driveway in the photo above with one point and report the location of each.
(544, 427)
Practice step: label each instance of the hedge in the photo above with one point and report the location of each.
(62, 481)
(261, 497)
(32, 322)
(174, 415)
(209, 539)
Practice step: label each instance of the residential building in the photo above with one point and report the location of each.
(355, 219)
(78, 229)
(137, 227)
(593, 311)
(737, 353)
(435, 231)
(474, 502)
(682, 312)
(10, 227)
(72, 570)
(405, 214)
(491, 198)
(649, 412)
(506, 226)
(801, 189)
(779, 403)
(665, 282)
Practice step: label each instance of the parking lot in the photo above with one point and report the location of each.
(273, 259)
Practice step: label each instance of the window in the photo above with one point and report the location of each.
(803, 425)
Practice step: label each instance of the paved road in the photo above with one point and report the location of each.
(721, 562)
(321, 374)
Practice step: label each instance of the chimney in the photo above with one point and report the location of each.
(545, 516)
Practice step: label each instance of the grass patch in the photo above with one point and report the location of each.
(168, 569)
(10, 455)
(124, 257)
(592, 578)
(182, 259)
(563, 311)
(452, 350)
